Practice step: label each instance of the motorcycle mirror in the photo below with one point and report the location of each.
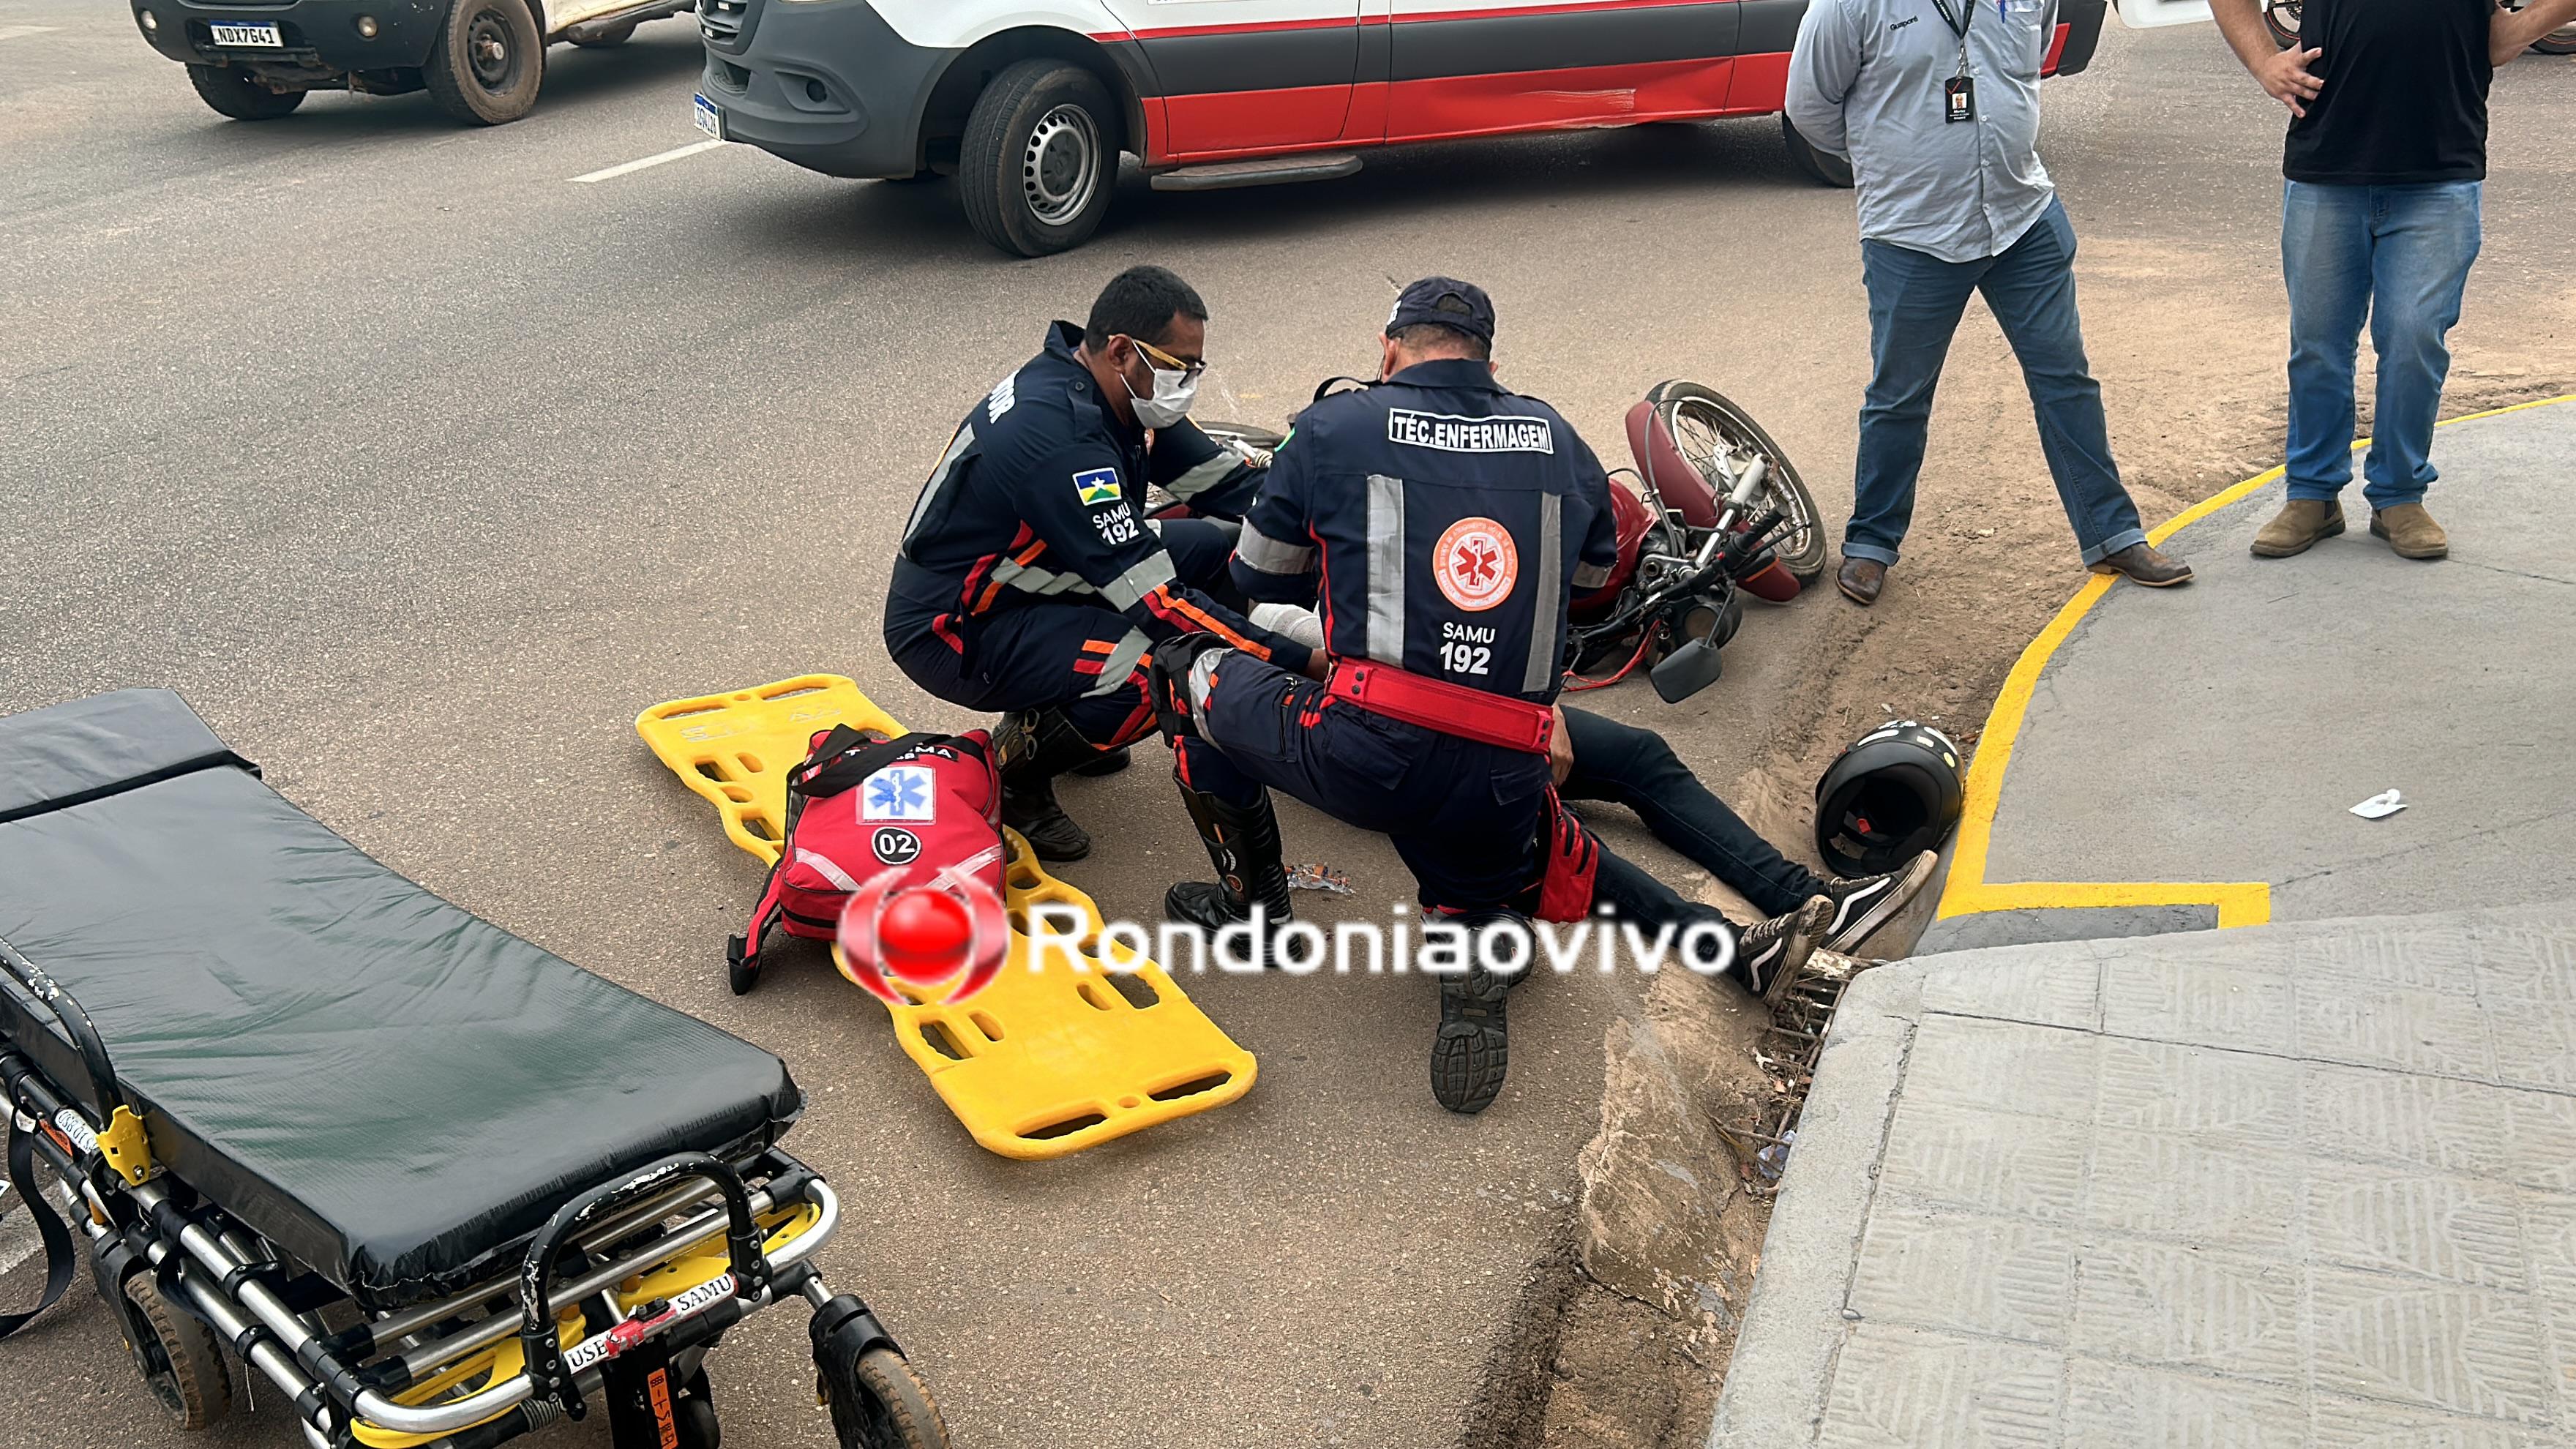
(1686, 671)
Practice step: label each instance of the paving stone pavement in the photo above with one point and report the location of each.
(2307, 1184)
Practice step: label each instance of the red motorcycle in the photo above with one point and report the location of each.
(1713, 511)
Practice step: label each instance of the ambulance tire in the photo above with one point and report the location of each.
(1040, 158)
(1822, 165)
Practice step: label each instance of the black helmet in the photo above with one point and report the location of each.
(1889, 797)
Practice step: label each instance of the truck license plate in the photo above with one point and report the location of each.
(264, 36)
(710, 119)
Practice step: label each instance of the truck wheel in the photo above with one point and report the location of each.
(2561, 41)
(608, 39)
(231, 91)
(488, 62)
(1040, 158)
(1824, 166)
(177, 1356)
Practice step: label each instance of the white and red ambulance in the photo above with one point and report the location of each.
(1030, 103)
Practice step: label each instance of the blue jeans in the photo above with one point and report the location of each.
(2401, 254)
(1915, 301)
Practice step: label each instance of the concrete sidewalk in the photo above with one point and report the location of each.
(2180, 759)
(2087, 1172)
(2308, 1184)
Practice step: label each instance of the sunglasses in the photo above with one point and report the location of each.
(1158, 358)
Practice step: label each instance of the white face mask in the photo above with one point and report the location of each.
(1174, 391)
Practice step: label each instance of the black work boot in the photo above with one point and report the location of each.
(1036, 746)
(1243, 843)
(1471, 1051)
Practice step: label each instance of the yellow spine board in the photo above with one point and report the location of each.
(1054, 1056)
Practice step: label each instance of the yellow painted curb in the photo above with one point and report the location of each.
(2239, 903)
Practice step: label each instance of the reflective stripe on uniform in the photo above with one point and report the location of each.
(1384, 640)
(957, 447)
(1260, 551)
(1590, 576)
(1122, 661)
(1547, 606)
(1032, 579)
(1203, 683)
(1149, 574)
(1203, 477)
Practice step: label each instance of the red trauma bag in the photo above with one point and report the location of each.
(869, 813)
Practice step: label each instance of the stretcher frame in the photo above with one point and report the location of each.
(617, 1299)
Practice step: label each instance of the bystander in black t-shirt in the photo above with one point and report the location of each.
(2405, 95)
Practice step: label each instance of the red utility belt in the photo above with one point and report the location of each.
(1450, 709)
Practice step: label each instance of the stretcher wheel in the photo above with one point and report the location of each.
(177, 1356)
(694, 1414)
(880, 1403)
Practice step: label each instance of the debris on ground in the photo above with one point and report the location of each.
(2380, 806)
(1319, 878)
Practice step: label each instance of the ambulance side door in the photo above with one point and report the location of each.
(1492, 67)
(1244, 77)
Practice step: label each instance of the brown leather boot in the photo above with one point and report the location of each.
(2301, 524)
(1860, 579)
(2411, 531)
(2144, 565)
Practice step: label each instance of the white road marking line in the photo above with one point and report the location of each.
(674, 154)
(18, 1240)
(12, 32)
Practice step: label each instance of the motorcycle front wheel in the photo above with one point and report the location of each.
(2281, 17)
(1712, 431)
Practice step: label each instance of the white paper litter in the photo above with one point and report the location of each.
(2379, 807)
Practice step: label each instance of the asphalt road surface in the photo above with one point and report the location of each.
(420, 465)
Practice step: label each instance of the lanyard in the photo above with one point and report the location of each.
(1959, 23)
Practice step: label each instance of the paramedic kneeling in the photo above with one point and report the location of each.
(1029, 581)
(1450, 521)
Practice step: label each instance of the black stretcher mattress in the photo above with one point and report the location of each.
(387, 1087)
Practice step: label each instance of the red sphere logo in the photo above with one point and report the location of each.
(948, 929)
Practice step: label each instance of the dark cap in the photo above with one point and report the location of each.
(1447, 301)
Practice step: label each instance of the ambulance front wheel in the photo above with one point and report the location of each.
(1040, 158)
(1824, 166)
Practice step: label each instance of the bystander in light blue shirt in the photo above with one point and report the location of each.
(1866, 81)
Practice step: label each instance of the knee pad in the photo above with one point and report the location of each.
(1177, 674)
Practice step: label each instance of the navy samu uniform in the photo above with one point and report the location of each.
(1442, 523)
(1029, 579)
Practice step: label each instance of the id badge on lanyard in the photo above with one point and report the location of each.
(1959, 92)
